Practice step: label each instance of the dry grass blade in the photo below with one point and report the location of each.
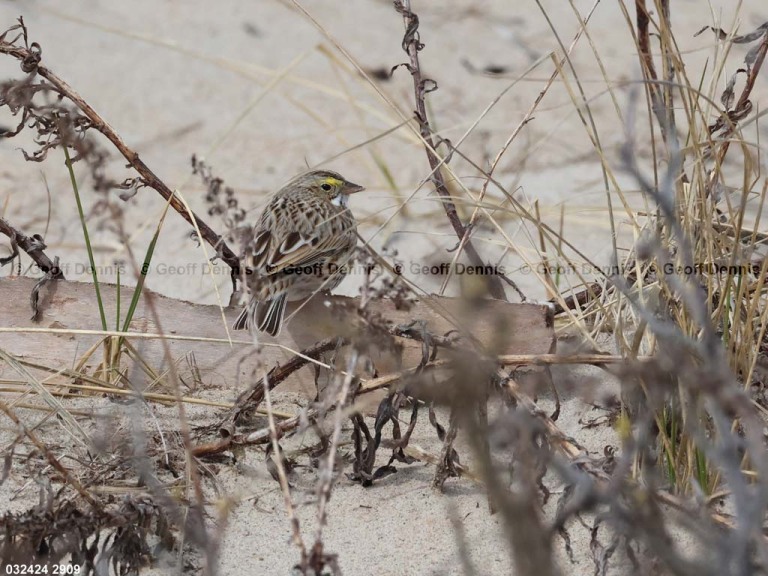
(69, 424)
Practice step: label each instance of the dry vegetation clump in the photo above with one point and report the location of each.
(685, 307)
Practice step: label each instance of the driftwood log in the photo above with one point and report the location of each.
(67, 309)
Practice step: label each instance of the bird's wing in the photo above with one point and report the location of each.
(277, 247)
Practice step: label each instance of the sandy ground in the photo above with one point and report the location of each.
(261, 94)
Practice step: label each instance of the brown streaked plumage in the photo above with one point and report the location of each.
(302, 243)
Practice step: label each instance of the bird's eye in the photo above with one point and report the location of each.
(327, 187)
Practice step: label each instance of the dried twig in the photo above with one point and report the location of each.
(649, 69)
(412, 45)
(319, 558)
(30, 59)
(446, 465)
(251, 398)
(727, 123)
(283, 478)
(33, 246)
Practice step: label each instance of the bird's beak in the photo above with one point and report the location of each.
(352, 188)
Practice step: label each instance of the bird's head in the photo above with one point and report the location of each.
(329, 185)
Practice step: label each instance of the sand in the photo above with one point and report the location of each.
(260, 93)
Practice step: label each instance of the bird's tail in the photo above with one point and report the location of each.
(266, 316)
(242, 321)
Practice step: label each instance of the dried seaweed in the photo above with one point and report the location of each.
(125, 538)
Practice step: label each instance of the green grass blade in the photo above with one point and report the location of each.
(117, 314)
(87, 238)
(144, 271)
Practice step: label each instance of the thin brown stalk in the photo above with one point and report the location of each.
(283, 478)
(325, 485)
(251, 398)
(421, 85)
(742, 105)
(27, 58)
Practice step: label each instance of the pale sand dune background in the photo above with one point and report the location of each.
(260, 93)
